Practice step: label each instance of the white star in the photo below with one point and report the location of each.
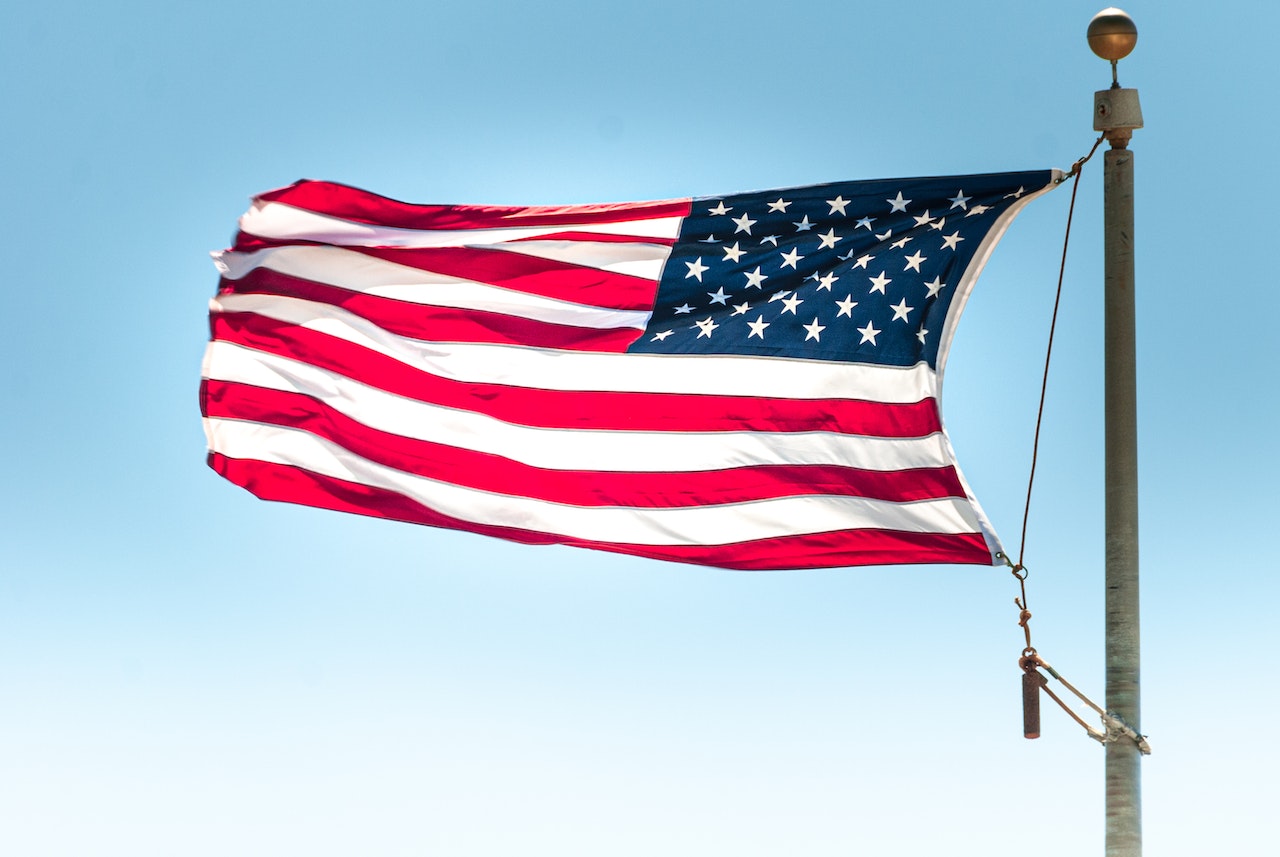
(658, 337)
(772, 239)
(901, 309)
(837, 204)
(959, 200)
(710, 239)
(888, 233)
(790, 304)
(869, 333)
(681, 310)
(757, 327)
(878, 283)
(978, 209)
(827, 281)
(901, 242)
(898, 204)
(780, 205)
(719, 209)
(939, 223)
(846, 306)
(829, 240)
(755, 278)
(705, 327)
(739, 309)
(804, 225)
(921, 335)
(949, 242)
(815, 330)
(718, 296)
(776, 296)
(1017, 194)
(865, 221)
(863, 260)
(922, 219)
(791, 258)
(913, 262)
(732, 254)
(934, 287)
(744, 224)
(696, 268)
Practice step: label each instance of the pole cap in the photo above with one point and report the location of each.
(1112, 34)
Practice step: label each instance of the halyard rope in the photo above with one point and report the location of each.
(1075, 171)
(1030, 662)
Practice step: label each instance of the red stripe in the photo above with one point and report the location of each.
(533, 275)
(834, 549)
(574, 409)
(487, 472)
(433, 323)
(348, 203)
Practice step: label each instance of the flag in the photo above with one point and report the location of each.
(748, 381)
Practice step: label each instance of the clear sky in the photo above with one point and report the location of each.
(187, 670)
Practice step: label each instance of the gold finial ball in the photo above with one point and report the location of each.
(1112, 34)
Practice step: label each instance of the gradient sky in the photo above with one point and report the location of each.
(187, 670)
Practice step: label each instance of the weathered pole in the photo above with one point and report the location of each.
(1112, 35)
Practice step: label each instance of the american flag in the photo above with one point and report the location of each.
(748, 381)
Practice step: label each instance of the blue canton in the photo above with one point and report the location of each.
(851, 271)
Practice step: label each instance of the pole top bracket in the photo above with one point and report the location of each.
(1116, 113)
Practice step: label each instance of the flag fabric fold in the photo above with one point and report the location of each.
(750, 381)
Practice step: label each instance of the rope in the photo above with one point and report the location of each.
(1115, 727)
(1019, 569)
(1075, 171)
(1030, 662)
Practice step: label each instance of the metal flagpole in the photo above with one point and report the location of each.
(1112, 36)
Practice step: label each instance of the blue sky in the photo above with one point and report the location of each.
(185, 669)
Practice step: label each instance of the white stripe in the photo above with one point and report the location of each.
(544, 368)
(283, 222)
(569, 449)
(760, 519)
(357, 272)
(964, 288)
(636, 260)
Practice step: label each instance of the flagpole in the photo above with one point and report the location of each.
(1112, 36)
